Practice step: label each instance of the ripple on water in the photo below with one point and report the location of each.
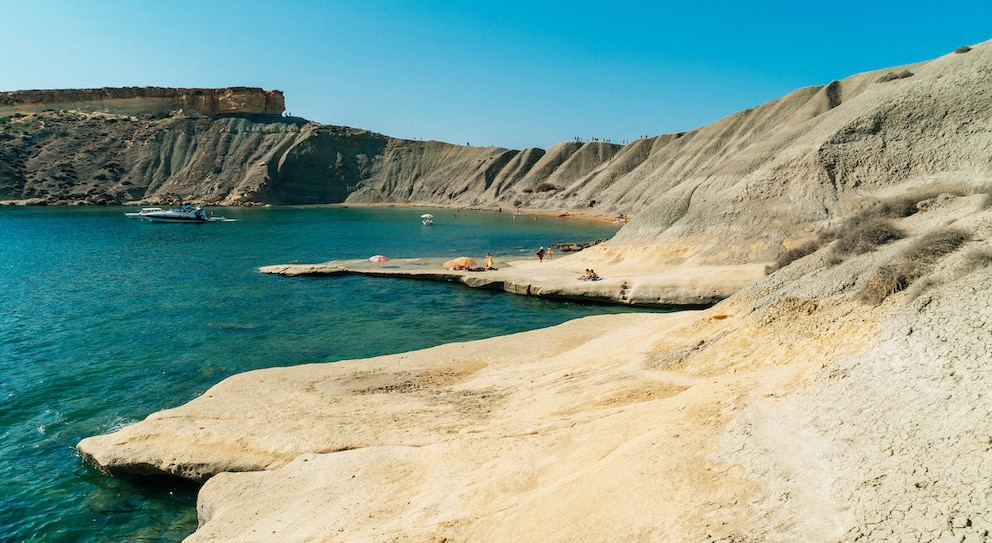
(104, 320)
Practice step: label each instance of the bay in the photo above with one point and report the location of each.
(104, 320)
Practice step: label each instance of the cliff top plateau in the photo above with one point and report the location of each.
(146, 100)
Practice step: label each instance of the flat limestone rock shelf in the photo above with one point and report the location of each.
(678, 286)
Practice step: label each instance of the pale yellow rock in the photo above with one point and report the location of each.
(648, 276)
(604, 428)
(791, 411)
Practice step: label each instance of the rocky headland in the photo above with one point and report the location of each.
(146, 101)
(838, 392)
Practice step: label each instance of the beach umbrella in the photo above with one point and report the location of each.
(378, 258)
(427, 216)
(460, 261)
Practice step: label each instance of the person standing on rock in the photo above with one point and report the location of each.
(489, 261)
(540, 254)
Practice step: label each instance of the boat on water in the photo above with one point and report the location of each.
(142, 212)
(183, 213)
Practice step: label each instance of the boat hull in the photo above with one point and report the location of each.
(179, 214)
(173, 219)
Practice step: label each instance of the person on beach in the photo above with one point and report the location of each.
(550, 252)
(489, 262)
(540, 254)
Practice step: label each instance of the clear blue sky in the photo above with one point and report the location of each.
(511, 74)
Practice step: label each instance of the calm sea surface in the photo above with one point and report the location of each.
(104, 320)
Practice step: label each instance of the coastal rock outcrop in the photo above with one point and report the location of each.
(841, 397)
(146, 100)
(795, 410)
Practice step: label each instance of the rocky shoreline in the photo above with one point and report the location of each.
(559, 279)
(838, 392)
(754, 420)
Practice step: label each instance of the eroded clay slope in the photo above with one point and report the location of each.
(744, 188)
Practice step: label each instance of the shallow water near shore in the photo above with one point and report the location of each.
(104, 320)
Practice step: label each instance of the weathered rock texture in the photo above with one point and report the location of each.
(146, 100)
(682, 287)
(843, 397)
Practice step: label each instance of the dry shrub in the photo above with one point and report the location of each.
(987, 200)
(546, 187)
(861, 233)
(915, 262)
(897, 208)
(860, 237)
(869, 229)
(962, 49)
(794, 254)
(894, 208)
(921, 286)
(934, 245)
(885, 281)
(892, 76)
(977, 259)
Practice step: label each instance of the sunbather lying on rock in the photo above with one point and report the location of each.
(590, 275)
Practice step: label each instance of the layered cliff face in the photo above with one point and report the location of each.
(91, 158)
(146, 100)
(744, 189)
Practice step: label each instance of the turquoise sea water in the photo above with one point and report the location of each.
(104, 320)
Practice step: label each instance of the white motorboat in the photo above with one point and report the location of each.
(183, 213)
(144, 211)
